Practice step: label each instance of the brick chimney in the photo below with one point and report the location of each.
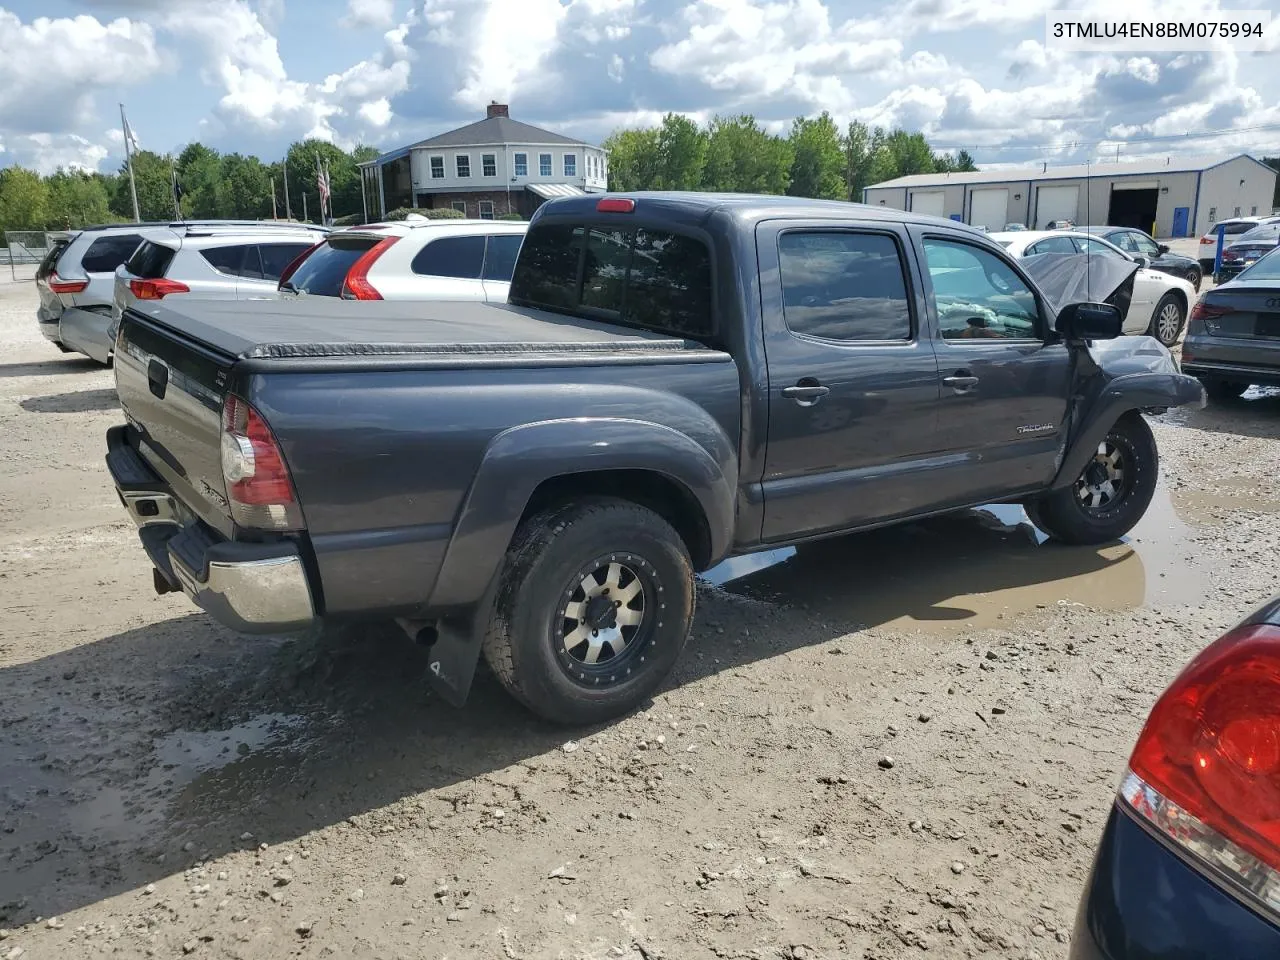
(496, 109)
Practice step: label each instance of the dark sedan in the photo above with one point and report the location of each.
(1189, 863)
(1138, 244)
(1233, 336)
(1247, 249)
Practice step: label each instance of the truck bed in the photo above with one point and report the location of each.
(325, 327)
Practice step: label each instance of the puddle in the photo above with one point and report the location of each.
(972, 569)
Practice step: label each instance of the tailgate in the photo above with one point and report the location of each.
(171, 390)
(1252, 315)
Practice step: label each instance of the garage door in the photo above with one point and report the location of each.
(931, 203)
(1056, 203)
(989, 208)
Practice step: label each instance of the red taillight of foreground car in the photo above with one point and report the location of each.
(1206, 770)
(259, 489)
(156, 289)
(357, 285)
(58, 285)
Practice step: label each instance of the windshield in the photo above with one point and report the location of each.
(1268, 268)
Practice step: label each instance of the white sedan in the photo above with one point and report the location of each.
(1160, 302)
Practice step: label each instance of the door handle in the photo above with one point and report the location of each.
(961, 383)
(807, 389)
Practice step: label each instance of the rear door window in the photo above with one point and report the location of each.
(500, 256)
(150, 261)
(230, 259)
(277, 256)
(460, 257)
(1052, 245)
(323, 273)
(652, 279)
(107, 253)
(844, 286)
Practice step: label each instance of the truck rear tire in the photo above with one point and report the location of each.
(1112, 492)
(593, 608)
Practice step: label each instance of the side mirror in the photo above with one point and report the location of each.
(1089, 321)
(1142, 262)
(1163, 247)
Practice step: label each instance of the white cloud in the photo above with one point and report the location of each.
(370, 13)
(50, 69)
(47, 152)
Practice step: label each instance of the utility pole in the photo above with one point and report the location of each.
(306, 217)
(128, 159)
(273, 199)
(288, 210)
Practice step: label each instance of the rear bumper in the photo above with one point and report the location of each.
(1234, 359)
(49, 327)
(249, 587)
(1142, 902)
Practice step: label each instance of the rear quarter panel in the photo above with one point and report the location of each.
(383, 460)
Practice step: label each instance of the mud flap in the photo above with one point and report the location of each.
(453, 660)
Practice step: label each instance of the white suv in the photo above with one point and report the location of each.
(416, 259)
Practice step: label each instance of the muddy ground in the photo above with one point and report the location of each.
(168, 788)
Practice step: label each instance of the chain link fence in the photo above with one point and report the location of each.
(23, 250)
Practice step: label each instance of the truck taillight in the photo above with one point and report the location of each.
(156, 289)
(259, 490)
(357, 285)
(1205, 773)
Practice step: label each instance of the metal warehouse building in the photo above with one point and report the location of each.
(1169, 197)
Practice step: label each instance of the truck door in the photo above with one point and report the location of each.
(853, 382)
(1006, 379)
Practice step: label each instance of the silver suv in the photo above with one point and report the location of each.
(76, 282)
(208, 261)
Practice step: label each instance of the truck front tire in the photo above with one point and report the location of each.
(592, 610)
(1112, 492)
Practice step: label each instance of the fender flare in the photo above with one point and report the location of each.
(518, 460)
(1134, 391)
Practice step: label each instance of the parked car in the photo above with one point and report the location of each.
(1160, 301)
(1060, 225)
(1158, 256)
(1011, 227)
(228, 260)
(75, 281)
(1189, 862)
(411, 260)
(1233, 339)
(1233, 227)
(1247, 249)
(676, 378)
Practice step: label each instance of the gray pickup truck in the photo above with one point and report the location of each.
(676, 379)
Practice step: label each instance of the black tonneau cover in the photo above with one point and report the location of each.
(315, 327)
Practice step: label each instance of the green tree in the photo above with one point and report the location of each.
(633, 159)
(743, 158)
(344, 178)
(910, 152)
(24, 199)
(76, 199)
(199, 172)
(682, 154)
(244, 188)
(818, 167)
(857, 159)
(154, 174)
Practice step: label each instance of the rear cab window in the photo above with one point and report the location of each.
(640, 277)
(107, 253)
(324, 272)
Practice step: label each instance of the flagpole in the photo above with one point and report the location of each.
(288, 210)
(128, 159)
(328, 188)
(306, 218)
(173, 188)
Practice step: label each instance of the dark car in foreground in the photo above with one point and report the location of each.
(1158, 256)
(1233, 336)
(1189, 863)
(675, 379)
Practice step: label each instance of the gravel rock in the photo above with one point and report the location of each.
(399, 880)
(304, 929)
(886, 763)
(356, 895)
(957, 867)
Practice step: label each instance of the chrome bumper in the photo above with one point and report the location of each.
(249, 587)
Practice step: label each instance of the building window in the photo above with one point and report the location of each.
(522, 164)
(544, 164)
(460, 206)
(1253, 211)
(1237, 213)
(570, 164)
(437, 168)
(486, 209)
(464, 165)
(1213, 214)
(489, 164)
(591, 166)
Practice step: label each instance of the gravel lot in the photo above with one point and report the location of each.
(168, 788)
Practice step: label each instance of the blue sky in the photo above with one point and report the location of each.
(253, 75)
